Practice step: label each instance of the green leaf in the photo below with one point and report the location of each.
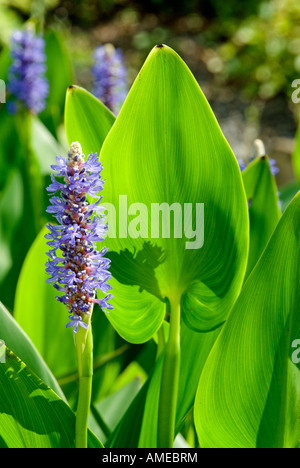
(21, 162)
(16, 339)
(59, 77)
(287, 193)
(249, 391)
(296, 156)
(87, 120)
(40, 315)
(166, 147)
(126, 434)
(44, 145)
(10, 143)
(11, 201)
(109, 411)
(31, 414)
(264, 211)
(135, 307)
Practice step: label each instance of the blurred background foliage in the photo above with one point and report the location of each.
(245, 55)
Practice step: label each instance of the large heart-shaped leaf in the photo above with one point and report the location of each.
(264, 210)
(249, 391)
(87, 120)
(31, 414)
(167, 152)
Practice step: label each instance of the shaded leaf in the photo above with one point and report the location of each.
(17, 340)
(264, 210)
(31, 414)
(111, 409)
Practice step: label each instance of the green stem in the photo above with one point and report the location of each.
(169, 380)
(84, 350)
(98, 365)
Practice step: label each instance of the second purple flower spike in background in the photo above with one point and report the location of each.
(26, 76)
(110, 77)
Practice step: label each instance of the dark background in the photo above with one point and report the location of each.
(245, 55)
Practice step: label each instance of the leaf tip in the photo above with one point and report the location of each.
(71, 88)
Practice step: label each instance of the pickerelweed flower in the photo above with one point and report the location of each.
(110, 75)
(26, 75)
(80, 270)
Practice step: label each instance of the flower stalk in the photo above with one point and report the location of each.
(169, 380)
(83, 340)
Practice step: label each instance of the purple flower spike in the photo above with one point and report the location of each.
(110, 77)
(81, 270)
(26, 75)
